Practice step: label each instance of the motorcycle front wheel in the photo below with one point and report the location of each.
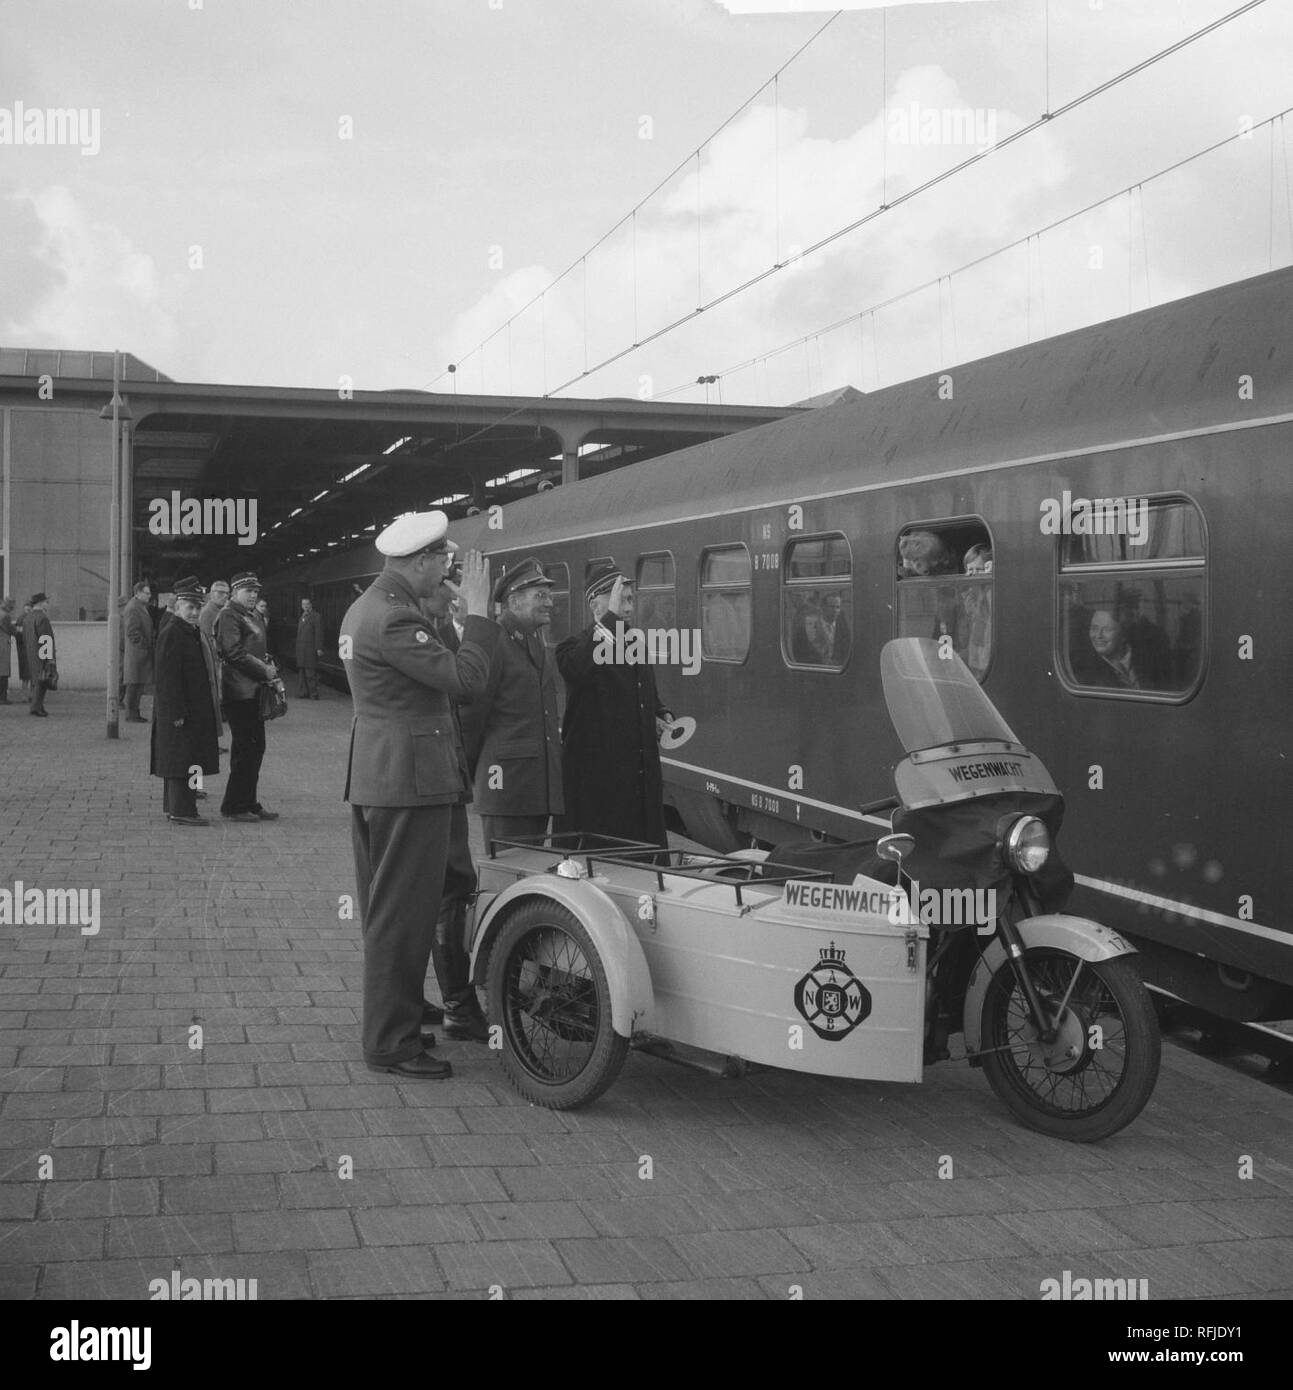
(1098, 1072)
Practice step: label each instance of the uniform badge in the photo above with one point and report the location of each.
(422, 637)
(832, 1000)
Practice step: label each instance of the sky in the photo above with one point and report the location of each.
(278, 193)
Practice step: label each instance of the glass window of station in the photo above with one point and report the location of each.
(1131, 599)
(945, 587)
(657, 605)
(725, 603)
(817, 602)
(559, 628)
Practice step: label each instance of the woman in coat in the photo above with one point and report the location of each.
(8, 629)
(186, 719)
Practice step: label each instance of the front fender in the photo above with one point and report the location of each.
(621, 954)
(1079, 936)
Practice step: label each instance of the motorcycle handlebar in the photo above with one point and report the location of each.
(886, 803)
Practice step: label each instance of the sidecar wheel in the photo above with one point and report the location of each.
(547, 989)
(1100, 1071)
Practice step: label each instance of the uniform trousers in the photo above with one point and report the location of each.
(401, 853)
(449, 950)
(308, 688)
(245, 757)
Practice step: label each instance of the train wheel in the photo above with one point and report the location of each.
(1097, 1074)
(547, 989)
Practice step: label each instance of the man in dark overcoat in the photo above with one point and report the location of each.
(9, 628)
(610, 757)
(309, 648)
(38, 635)
(245, 667)
(186, 715)
(512, 733)
(407, 780)
(137, 626)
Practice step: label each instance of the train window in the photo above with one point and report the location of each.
(946, 587)
(1131, 620)
(817, 602)
(656, 601)
(559, 628)
(725, 603)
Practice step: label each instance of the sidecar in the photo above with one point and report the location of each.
(585, 945)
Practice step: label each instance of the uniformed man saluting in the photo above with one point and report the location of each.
(407, 776)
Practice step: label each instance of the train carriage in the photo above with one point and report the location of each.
(1097, 523)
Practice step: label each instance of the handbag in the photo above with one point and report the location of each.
(49, 676)
(273, 700)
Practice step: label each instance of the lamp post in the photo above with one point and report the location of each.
(116, 411)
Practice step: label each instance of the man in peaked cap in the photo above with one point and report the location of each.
(407, 780)
(186, 710)
(512, 734)
(38, 634)
(610, 755)
(245, 667)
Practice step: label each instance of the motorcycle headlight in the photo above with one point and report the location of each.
(1028, 845)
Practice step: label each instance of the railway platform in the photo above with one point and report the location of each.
(183, 1097)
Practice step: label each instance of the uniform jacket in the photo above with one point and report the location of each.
(137, 623)
(610, 757)
(309, 638)
(185, 689)
(404, 745)
(240, 635)
(8, 628)
(35, 626)
(514, 728)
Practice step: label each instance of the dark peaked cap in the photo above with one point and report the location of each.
(602, 580)
(527, 575)
(189, 587)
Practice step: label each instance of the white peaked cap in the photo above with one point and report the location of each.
(414, 531)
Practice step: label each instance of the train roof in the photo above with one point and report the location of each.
(1175, 368)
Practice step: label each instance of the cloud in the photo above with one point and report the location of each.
(99, 291)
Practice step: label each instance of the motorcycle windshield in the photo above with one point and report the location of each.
(934, 700)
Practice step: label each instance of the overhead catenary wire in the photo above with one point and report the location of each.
(1129, 192)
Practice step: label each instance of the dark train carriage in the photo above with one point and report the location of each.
(1143, 651)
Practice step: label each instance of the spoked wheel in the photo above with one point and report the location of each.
(1098, 1071)
(548, 991)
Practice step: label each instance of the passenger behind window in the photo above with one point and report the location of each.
(808, 645)
(1125, 651)
(836, 636)
(922, 553)
(978, 559)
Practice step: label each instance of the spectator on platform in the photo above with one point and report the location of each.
(137, 673)
(186, 715)
(9, 628)
(24, 670)
(246, 667)
(262, 608)
(38, 634)
(217, 599)
(309, 648)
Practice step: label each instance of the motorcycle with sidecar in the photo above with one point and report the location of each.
(856, 961)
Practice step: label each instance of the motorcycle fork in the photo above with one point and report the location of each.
(1013, 942)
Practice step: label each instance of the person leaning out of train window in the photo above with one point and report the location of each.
(511, 734)
(610, 755)
(976, 603)
(922, 555)
(1123, 653)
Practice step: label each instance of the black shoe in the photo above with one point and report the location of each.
(240, 815)
(135, 719)
(423, 1067)
(432, 1014)
(466, 1023)
(188, 820)
(38, 713)
(262, 814)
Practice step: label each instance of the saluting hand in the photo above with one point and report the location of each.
(475, 587)
(617, 597)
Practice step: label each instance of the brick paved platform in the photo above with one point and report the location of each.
(224, 1162)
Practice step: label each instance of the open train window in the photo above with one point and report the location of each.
(945, 587)
(656, 598)
(1131, 597)
(817, 602)
(559, 628)
(725, 603)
